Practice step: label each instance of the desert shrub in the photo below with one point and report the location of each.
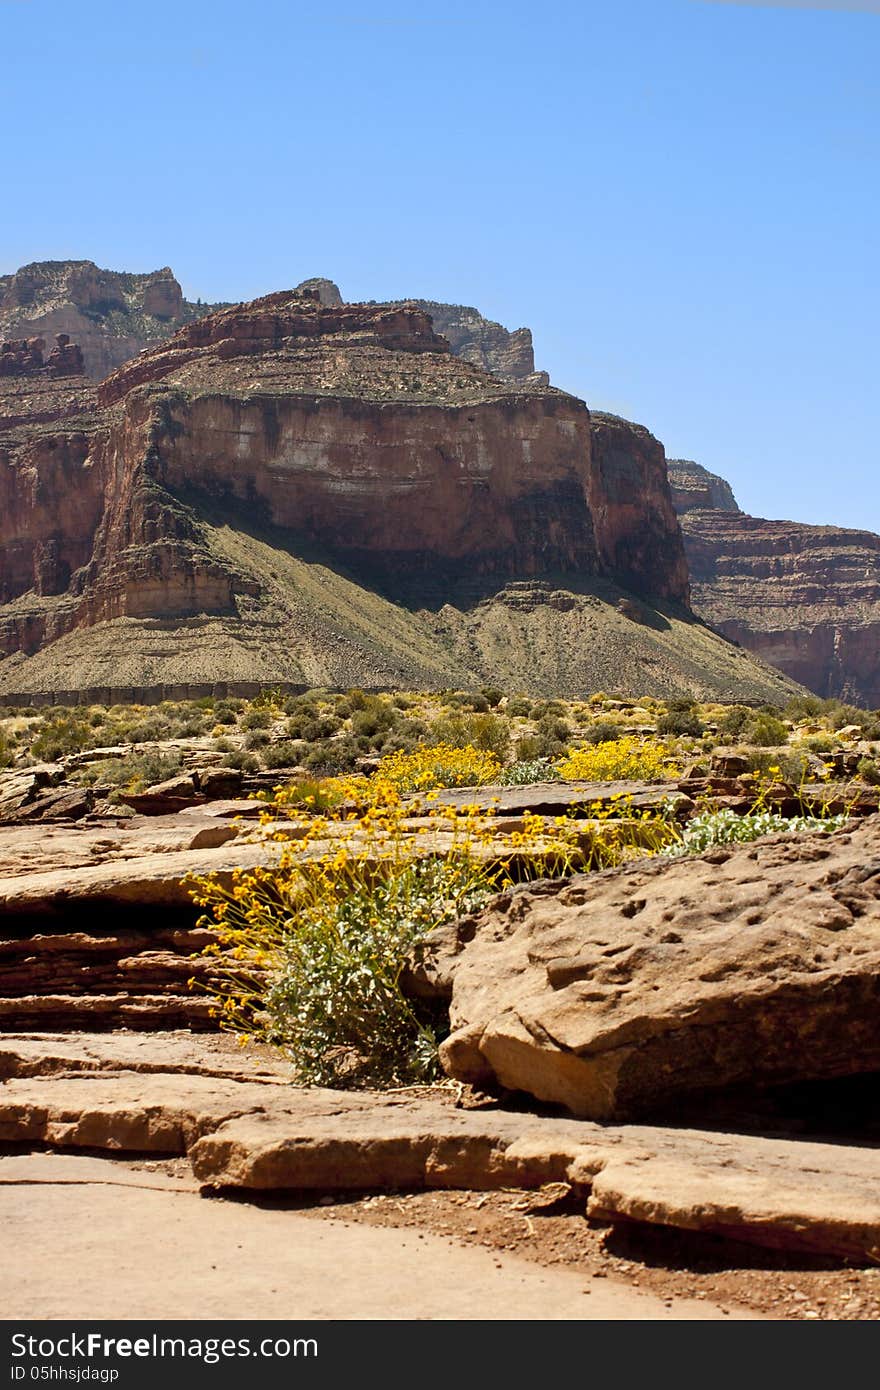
(440, 765)
(284, 754)
(803, 707)
(764, 731)
(869, 771)
(725, 827)
(354, 700)
(256, 738)
(734, 719)
(488, 732)
(839, 715)
(312, 953)
(602, 731)
(313, 794)
(149, 729)
(373, 717)
(194, 725)
(225, 714)
(270, 697)
(134, 773)
(524, 773)
(61, 734)
(258, 717)
(818, 743)
(478, 703)
(519, 708)
(547, 709)
(542, 745)
(242, 760)
(335, 755)
(401, 740)
(681, 717)
(492, 695)
(624, 759)
(6, 750)
(553, 728)
(792, 766)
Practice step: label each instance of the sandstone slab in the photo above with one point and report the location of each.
(151, 879)
(614, 993)
(243, 1127)
(220, 1055)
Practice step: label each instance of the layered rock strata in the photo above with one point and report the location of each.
(806, 599)
(111, 314)
(695, 488)
(323, 493)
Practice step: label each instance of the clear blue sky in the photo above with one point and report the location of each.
(679, 197)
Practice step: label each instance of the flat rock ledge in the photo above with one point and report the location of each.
(243, 1126)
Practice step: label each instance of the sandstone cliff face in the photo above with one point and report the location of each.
(694, 487)
(639, 533)
(50, 500)
(478, 340)
(318, 492)
(114, 315)
(110, 314)
(501, 351)
(806, 599)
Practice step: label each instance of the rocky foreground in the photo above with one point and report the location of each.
(243, 1127)
(669, 1005)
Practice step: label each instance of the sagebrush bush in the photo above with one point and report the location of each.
(257, 718)
(62, 734)
(734, 719)
(487, 732)
(681, 717)
(134, 773)
(869, 771)
(602, 731)
(764, 731)
(519, 708)
(284, 754)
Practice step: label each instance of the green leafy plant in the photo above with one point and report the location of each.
(726, 827)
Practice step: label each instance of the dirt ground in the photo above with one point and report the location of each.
(548, 1230)
(669, 1264)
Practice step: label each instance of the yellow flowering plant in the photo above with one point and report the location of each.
(620, 759)
(312, 948)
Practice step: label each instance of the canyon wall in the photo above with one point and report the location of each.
(806, 599)
(111, 315)
(323, 493)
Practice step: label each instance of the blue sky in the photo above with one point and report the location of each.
(679, 197)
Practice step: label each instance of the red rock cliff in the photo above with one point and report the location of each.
(352, 428)
(806, 599)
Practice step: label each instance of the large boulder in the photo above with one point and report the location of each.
(614, 994)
